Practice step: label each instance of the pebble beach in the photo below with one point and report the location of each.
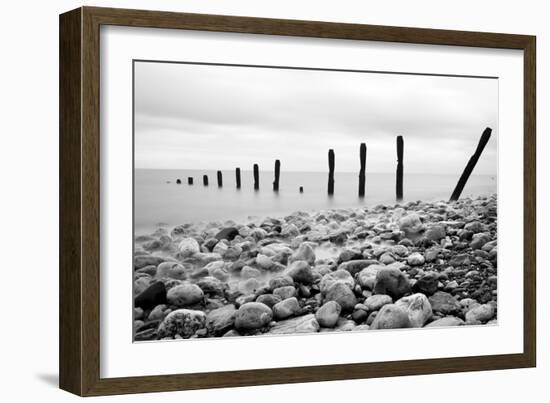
(413, 265)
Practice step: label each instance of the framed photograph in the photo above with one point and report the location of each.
(249, 201)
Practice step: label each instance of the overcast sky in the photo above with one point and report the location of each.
(221, 117)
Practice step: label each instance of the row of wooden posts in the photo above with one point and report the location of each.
(362, 171)
(256, 173)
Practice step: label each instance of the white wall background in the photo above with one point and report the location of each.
(29, 202)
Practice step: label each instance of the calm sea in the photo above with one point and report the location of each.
(157, 202)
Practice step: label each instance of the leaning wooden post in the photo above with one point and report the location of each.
(190, 180)
(256, 177)
(205, 180)
(220, 179)
(331, 172)
(277, 175)
(238, 177)
(363, 161)
(399, 172)
(471, 164)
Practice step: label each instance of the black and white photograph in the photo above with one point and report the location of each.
(276, 200)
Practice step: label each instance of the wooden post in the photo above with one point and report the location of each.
(301, 189)
(256, 177)
(331, 172)
(485, 136)
(205, 180)
(399, 172)
(178, 181)
(220, 179)
(363, 161)
(190, 180)
(238, 177)
(277, 175)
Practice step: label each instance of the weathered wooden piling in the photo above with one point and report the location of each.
(301, 189)
(485, 136)
(363, 161)
(331, 172)
(399, 172)
(277, 175)
(178, 181)
(220, 179)
(205, 180)
(190, 180)
(256, 177)
(238, 177)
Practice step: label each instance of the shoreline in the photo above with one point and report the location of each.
(419, 264)
(158, 204)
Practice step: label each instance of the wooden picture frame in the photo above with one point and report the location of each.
(79, 346)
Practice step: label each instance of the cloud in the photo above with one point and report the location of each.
(219, 117)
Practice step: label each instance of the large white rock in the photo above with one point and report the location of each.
(418, 308)
(411, 224)
(481, 313)
(415, 259)
(188, 247)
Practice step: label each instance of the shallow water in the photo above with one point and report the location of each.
(159, 203)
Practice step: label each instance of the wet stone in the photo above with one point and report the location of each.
(152, 296)
(227, 233)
